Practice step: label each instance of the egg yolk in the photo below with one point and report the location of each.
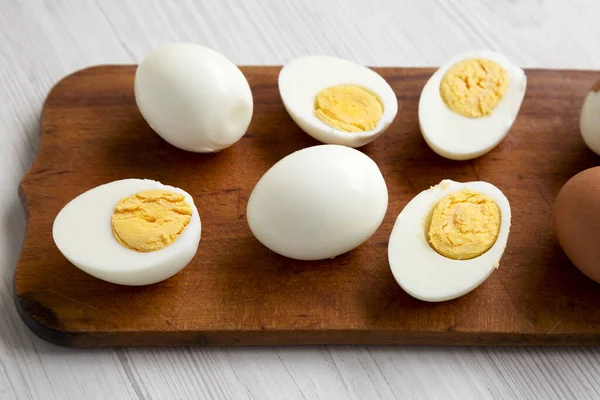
(474, 87)
(150, 220)
(348, 108)
(464, 225)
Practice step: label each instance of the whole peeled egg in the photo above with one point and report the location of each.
(589, 121)
(449, 239)
(130, 232)
(470, 103)
(318, 202)
(337, 101)
(577, 221)
(193, 97)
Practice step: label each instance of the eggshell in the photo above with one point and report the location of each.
(577, 221)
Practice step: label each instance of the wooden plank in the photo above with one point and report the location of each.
(235, 291)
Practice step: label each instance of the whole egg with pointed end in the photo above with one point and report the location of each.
(193, 97)
(469, 104)
(318, 203)
(448, 239)
(130, 232)
(337, 101)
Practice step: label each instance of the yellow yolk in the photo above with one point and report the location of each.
(464, 225)
(348, 108)
(474, 87)
(150, 220)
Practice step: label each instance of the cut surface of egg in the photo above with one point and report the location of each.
(318, 202)
(448, 239)
(193, 97)
(469, 104)
(337, 101)
(129, 232)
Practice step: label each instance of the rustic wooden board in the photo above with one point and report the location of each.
(236, 291)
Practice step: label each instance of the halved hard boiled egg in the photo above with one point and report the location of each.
(448, 239)
(129, 232)
(337, 101)
(468, 105)
(318, 203)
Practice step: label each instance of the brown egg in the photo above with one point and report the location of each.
(577, 221)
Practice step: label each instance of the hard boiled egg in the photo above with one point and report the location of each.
(589, 121)
(318, 202)
(193, 97)
(337, 101)
(130, 232)
(449, 239)
(468, 106)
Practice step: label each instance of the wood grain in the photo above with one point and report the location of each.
(237, 292)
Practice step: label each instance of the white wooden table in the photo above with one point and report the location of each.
(41, 41)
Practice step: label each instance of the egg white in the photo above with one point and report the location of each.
(457, 137)
(82, 231)
(424, 273)
(318, 203)
(193, 97)
(589, 121)
(301, 80)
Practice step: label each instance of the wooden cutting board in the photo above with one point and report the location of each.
(236, 291)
